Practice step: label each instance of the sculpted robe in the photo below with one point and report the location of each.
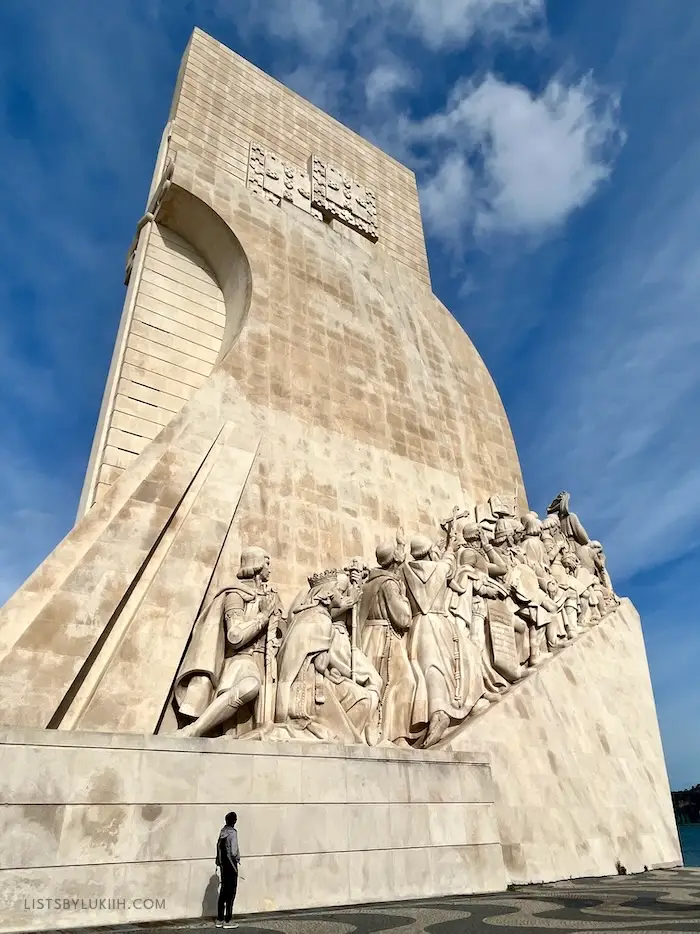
(228, 644)
(470, 607)
(384, 620)
(437, 646)
(314, 685)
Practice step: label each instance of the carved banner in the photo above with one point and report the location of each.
(340, 197)
(503, 646)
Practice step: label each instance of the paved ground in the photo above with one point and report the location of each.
(659, 902)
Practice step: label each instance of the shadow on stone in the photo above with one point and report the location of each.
(210, 897)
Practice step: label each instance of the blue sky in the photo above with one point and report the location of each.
(557, 147)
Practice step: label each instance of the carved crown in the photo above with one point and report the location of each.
(321, 577)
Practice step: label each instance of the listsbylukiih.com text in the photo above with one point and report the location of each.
(94, 904)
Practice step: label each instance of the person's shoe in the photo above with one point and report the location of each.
(218, 924)
(230, 924)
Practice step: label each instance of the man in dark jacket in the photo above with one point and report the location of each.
(227, 859)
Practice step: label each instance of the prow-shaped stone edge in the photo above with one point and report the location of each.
(577, 761)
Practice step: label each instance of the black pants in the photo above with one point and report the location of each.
(227, 893)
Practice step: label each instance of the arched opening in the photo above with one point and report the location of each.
(201, 226)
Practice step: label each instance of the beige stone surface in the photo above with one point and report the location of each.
(169, 349)
(223, 102)
(104, 816)
(577, 760)
(328, 293)
(370, 405)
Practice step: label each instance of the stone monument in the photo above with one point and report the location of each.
(304, 581)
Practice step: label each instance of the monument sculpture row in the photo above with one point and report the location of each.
(403, 653)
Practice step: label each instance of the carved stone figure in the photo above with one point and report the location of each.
(229, 663)
(557, 635)
(600, 565)
(475, 594)
(467, 605)
(447, 687)
(553, 539)
(531, 543)
(384, 621)
(405, 652)
(317, 689)
(573, 531)
(574, 587)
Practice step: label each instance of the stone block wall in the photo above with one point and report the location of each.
(90, 816)
(223, 102)
(171, 345)
(341, 331)
(379, 410)
(576, 756)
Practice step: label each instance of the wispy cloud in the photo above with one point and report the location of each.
(385, 80)
(445, 24)
(447, 197)
(535, 157)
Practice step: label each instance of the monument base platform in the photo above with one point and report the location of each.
(103, 828)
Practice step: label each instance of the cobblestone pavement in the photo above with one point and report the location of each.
(665, 901)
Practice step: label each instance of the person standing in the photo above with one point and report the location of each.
(227, 859)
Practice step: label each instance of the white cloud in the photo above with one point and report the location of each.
(385, 80)
(452, 184)
(544, 156)
(449, 23)
(537, 157)
(317, 26)
(321, 27)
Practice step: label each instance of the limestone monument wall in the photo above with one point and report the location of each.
(134, 819)
(576, 757)
(304, 581)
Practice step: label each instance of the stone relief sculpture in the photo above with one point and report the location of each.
(229, 663)
(447, 668)
(403, 653)
(321, 190)
(326, 685)
(384, 621)
(338, 196)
